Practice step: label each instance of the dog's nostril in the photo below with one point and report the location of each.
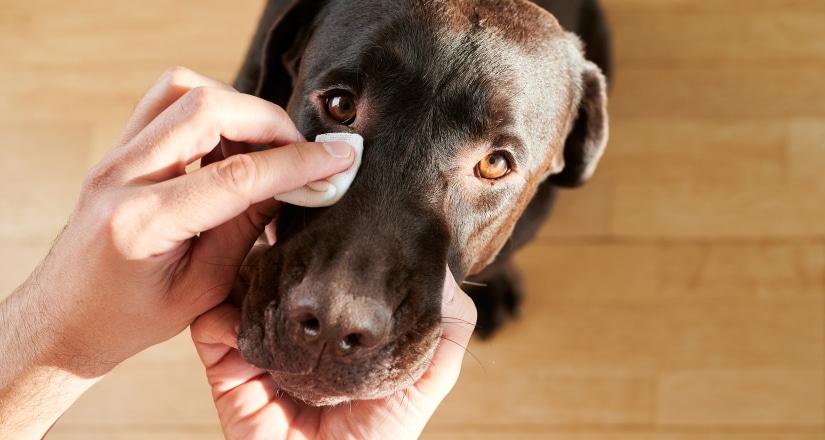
(311, 327)
(357, 327)
(349, 342)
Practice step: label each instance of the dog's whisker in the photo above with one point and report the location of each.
(405, 400)
(453, 320)
(472, 283)
(210, 290)
(468, 351)
(459, 323)
(388, 405)
(445, 320)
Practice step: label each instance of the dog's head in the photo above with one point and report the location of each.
(465, 107)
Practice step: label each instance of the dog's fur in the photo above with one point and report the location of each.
(347, 304)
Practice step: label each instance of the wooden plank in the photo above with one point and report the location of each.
(719, 94)
(752, 398)
(806, 151)
(663, 150)
(717, 34)
(525, 433)
(547, 398)
(694, 209)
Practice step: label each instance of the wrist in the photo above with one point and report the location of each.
(36, 386)
(51, 315)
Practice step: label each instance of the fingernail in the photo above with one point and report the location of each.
(301, 137)
(338, 149)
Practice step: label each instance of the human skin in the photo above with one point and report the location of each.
(250, 405)
(149, 248)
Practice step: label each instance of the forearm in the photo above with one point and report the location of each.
(36, 384)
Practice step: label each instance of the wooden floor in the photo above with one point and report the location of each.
(679, 296)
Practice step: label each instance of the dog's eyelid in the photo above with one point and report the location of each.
(508, 144)
(339, 89)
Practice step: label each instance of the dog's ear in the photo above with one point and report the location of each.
(272, 62)
(588, 136)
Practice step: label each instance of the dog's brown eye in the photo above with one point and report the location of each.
(342, 108)
(493, 166)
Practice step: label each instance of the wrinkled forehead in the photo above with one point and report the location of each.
(504, 61)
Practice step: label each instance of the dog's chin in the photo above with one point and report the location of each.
(313, 390)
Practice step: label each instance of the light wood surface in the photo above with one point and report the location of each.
(678, 296)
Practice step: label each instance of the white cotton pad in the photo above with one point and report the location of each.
(330, 190)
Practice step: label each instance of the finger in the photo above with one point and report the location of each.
(214, 333)
(211, 196)
(216, 343)
(271, 235)
(168, 88)
(225, 258)
(224, 247)
(230, 148)
(225, 149)
(194, 124)
(245, 275)
(459, 319)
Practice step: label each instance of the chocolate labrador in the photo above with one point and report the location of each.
(472, 112)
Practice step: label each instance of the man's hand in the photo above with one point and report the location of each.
(149, 247)
(250, 405)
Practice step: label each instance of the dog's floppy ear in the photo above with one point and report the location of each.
(272, 62)
(588, 137)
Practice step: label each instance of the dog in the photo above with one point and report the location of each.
(473, 113)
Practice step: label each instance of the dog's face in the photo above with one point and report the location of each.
(465, 108)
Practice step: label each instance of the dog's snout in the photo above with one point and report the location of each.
(342, 325)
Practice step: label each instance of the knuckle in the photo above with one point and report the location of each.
(200, 100)
(113, 218)
(175, 76)
(113, 214)
(237, 173)
(96, 179)
(204, 106)
(131, 222)
(280, 114)
(116, 220)
(197, 100)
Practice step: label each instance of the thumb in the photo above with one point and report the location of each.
(458, 317)
(219, 192)
(221, 249)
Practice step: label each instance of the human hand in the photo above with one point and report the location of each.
(149, 247)
(250, 406)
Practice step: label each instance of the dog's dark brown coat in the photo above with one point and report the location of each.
(347, 304)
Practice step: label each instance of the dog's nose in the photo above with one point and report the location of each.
(346, 325)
